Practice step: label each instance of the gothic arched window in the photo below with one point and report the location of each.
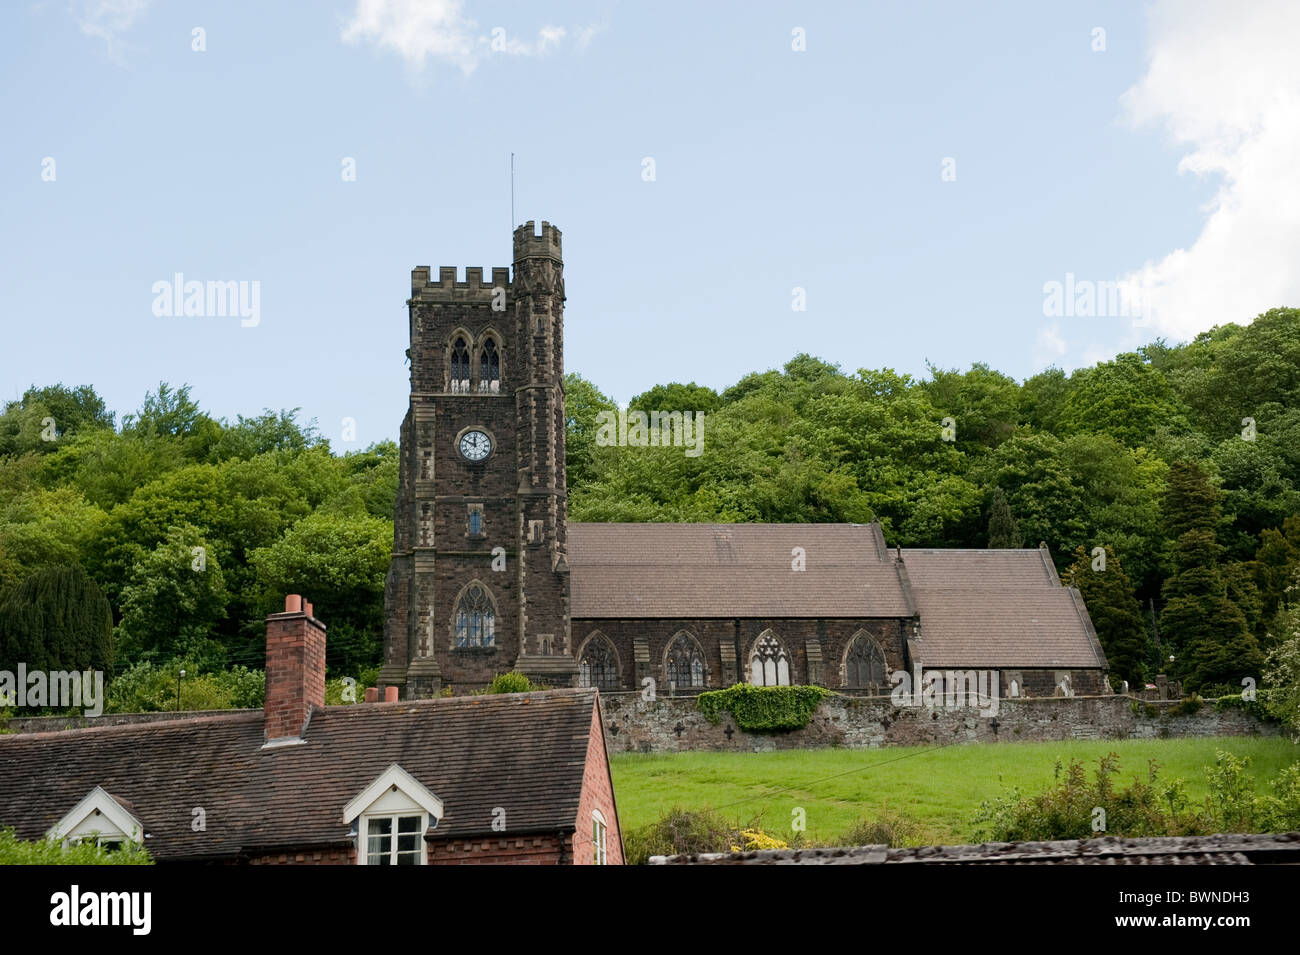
(598, 666)
(768, 663)
(684, 662)
(475, 618)
(489, 367)
(864, 665)
(459, 365)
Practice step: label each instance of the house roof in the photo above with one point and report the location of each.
(731, 570)
(998, 609)
(521, 753)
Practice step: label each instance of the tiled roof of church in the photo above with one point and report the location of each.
(732, 570)
(998, 609)
(524, 753)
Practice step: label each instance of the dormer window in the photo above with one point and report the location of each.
(390, 817)
(99, 819)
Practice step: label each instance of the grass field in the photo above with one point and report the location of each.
(941, 787)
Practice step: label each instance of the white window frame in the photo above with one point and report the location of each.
(599, 838)
(395, 794)
(363, 849)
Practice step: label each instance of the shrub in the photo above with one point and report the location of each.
(14, 851)
(763, 708)
(1187, 706)
(751, 840)
(146, 688)
(889, 828)
(512, 682)
(343, 691)
(1066, 810)
(680, 831)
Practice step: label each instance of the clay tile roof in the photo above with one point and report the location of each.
(998, 609)
(731, 570)
(524, 753)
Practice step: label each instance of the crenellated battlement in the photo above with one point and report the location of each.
(447, 287)
(529, 243)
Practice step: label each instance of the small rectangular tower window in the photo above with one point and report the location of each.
(534, 532)
(475, 520)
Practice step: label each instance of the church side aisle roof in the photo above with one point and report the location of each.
(997, 609)
(732, 570)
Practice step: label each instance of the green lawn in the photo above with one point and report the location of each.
(940, 787)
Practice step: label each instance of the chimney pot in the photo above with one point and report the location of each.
(292, 603)
(390, 694)
(372, 694)
(306, 608)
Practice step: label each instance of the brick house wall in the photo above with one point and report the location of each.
(545, 849)
(338, 855)
(597, 793)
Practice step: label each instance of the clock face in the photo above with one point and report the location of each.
(475, 445)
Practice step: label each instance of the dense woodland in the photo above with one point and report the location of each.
(166, 536)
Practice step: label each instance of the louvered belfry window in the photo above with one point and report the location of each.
(489, 368)
(459, 366)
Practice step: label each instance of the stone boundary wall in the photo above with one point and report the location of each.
(51, 724)
(674, 724)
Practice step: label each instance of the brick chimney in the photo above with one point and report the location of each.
(295, 670)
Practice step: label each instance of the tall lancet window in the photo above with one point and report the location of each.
(685, 662)
(475, 619)
(768, 664)
(459, 365)
(489, 368)
(864, 666)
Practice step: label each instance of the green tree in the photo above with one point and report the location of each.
(174, 602)
(1116, 615)
(583, 404)
(56, 619)
(1004, 532)
(1209, 632)
(340, 560)
(1126, 399)
(986, 404)
(43, 417)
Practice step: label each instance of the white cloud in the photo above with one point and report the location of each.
(416, 29)
(583, 36)
(1223, 79)
(108, 20)
(1049, 347)
(439, 30)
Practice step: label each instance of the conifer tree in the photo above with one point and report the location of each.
(1213, 645)
(56, 619)
(1116, 615)
(1004, 532)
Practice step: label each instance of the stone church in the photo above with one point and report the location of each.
(488, 574)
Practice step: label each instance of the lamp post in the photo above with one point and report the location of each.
(179, 676)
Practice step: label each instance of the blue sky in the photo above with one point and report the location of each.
(1168, 157)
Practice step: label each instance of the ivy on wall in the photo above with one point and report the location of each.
(763, 708)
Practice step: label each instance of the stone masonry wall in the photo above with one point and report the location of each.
(671, 724)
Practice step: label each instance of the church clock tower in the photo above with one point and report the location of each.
(479, 582)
